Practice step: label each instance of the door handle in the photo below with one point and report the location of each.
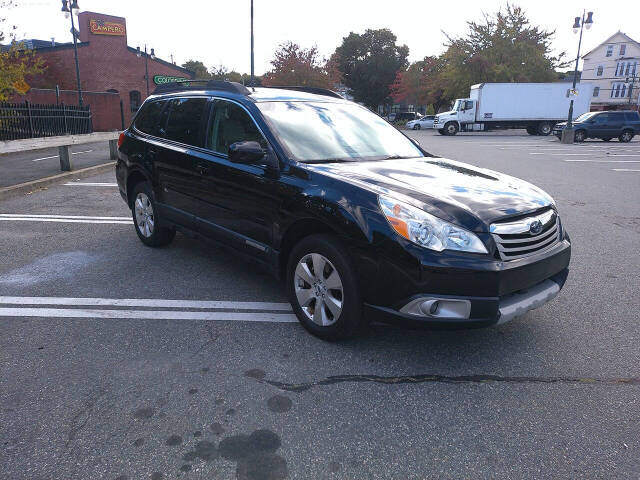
(202, 168)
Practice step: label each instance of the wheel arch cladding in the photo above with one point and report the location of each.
(135, 177)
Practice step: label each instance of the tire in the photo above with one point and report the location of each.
(416, 126)
(579, 136)
(544, 128)
(626, 136)
(340, 316)
(143, 209)
(532, 131)
(441, 131)
(607, 139)
(450, 128)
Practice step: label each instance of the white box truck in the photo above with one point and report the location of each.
(534, 106)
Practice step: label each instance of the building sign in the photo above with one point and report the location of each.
(162, 79)
(100, 27)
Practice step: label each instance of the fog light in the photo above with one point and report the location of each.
(445, 308)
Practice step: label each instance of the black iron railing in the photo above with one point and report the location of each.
(27, 120)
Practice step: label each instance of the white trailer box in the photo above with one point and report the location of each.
(536, 107)
(529, 101)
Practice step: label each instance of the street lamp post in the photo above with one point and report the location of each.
(578, 25)
(74, 11)
(146, 63)
(252, 76)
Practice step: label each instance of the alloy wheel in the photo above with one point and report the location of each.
(626, 137)
(318, 289)
(143, 211)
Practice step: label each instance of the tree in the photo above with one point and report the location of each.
(502, 48)
(17, 63)
(421, 84)
(293, 65)
(199, 68)
(369, 63)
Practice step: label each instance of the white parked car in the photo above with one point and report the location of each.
(423, 122)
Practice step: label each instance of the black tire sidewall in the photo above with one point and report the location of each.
(446, 128)
(621, 137)
(580, 132)
(350, 318)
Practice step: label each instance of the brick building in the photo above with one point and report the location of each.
(110, 70)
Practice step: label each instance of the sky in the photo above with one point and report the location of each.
(217, 32)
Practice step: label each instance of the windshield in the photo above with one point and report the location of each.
(321, 131)
(585, 116)
(456, 106)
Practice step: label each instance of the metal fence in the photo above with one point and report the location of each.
(27, 120)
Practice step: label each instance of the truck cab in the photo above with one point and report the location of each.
(463, 113)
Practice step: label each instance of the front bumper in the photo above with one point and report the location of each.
(476, 291)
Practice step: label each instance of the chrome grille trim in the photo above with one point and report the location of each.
(514, 239)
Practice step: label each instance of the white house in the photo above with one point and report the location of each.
(612, 67)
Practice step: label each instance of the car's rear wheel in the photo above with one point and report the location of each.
(146, 220)
(626, 136)
(544, 128)
(323, 289)
(579, 136)
(451, 128)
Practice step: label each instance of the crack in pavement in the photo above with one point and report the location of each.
(462, 379)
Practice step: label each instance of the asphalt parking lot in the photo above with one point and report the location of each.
(122, 362)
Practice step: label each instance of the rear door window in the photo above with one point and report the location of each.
(616, 117)
(632, 116)
(230, 123)
(184, 120)
(149, 118)
(601, 119)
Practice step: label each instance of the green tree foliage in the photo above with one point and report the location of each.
(199, 68)
(369, 63)
(501, 48)
(223, 73)
(296, 66)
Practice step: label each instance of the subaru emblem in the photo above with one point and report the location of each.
(535, 228)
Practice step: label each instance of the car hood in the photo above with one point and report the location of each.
(459, 193)
(450, 112)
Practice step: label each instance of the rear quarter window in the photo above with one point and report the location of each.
(148, 120)
(632, 116)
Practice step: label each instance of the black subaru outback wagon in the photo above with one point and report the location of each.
(358, 220)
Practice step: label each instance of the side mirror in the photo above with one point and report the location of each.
(246, 152)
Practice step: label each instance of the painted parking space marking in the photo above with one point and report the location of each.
(146, 309)
(595, 160)
(18, 217)
(90, 184)
(145, 302)
(625, 170)
(56, 156)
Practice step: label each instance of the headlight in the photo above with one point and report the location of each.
(426, 230)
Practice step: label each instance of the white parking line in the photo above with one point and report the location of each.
(601, 161)
(56, 156)
(90, 184)
(148, 314)
(18, 217)
(625, 170)
(145, 302)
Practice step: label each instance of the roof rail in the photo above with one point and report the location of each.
(316, 90)
(182, 85)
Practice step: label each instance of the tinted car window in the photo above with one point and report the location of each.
(230, 124)
(185, 119)
(602, 118)
(148, 120)
(632, 116)
(616, 117)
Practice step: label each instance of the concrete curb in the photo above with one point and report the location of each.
(35, 185)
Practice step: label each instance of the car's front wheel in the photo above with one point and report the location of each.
(416, 126)
(579, 136)
(626, 136)
(323, 289)
(146, 220)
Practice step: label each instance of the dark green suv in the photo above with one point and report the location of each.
(623, 125)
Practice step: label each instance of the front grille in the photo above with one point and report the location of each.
(516, 239)
(435, 121)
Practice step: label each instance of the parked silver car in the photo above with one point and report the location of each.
(423, 122)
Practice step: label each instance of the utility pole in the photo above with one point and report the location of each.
(71, 10)
(631, 80)
(252, 77)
